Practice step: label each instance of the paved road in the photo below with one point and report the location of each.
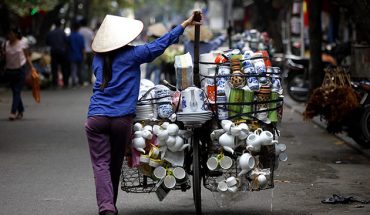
(45, 168)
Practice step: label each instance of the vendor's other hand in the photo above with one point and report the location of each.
(190, 21)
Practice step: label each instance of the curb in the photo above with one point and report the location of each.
(300, 107)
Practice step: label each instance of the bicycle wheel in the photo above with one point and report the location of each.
(196, 176)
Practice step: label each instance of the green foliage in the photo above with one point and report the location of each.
(27, 7)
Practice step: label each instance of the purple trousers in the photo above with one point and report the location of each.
(108, 138)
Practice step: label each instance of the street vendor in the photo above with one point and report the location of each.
(116, 65)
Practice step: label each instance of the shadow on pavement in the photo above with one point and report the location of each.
(228, 211)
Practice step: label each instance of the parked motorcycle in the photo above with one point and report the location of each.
(359, 120)
(297, 82)
(297, 75)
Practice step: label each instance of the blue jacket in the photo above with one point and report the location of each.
(76, 44)
(120, 96)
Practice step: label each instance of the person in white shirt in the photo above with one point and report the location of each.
(16, 56)
(88, 35)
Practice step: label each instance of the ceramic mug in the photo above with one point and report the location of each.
(221, 81)
(283, 156)
(222, 186)
(222, 111)
(226, 162)
(159, 172)
(169, 181)
(226, 125)
(232, 181)
(279, 148)
(180, 175)
(212, 163)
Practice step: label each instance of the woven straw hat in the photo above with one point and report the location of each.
(157, 30)
(115, 32)
(205, 34)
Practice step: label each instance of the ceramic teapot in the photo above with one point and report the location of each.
(139, 142)
(227, 141)
(179, 145)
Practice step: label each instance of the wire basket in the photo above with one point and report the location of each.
(268, 162)
(134, 181)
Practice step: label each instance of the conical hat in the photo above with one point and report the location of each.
(115, 32)
(157, 30)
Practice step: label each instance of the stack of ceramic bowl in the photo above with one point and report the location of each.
(144, 112)
(199, 117)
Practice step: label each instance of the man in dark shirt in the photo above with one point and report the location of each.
(57, 40)
(76, 50)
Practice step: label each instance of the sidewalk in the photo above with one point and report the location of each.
(300, 108)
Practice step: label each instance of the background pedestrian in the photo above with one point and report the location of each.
(16, 56)
(76, 49)
(88, 35)
(57, 40)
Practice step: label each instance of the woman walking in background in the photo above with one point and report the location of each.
(116, 66)
(16, 55)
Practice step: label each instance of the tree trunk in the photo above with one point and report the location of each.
(4, 17)
(315, 37)
(47, 22)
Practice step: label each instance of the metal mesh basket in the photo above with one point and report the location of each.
(133, 181)
(266, 160)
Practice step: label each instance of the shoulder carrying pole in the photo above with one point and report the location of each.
(197, 18)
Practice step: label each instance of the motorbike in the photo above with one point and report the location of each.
(297, 69)
(359, 120)
(296, 78)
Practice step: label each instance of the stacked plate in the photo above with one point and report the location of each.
(144, 112)
(194, 117)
